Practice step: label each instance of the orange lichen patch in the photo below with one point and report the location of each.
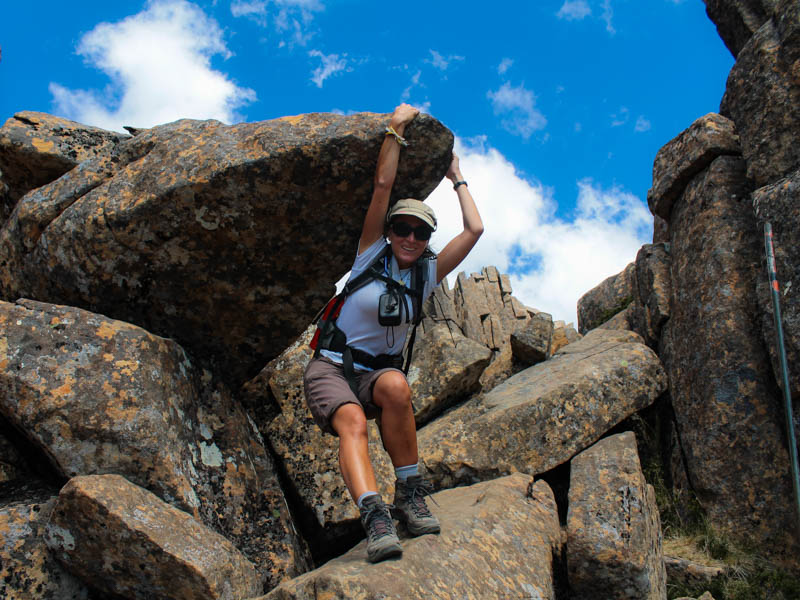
(43, 145)
(64, 389)
(106, 331)
(108, 388)
(127, 367)
(108, 357)
(294, 120)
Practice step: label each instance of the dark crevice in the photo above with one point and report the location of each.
(34, 459)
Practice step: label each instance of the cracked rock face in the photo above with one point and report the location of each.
(225, 238)
(613, 526)
(499, 539)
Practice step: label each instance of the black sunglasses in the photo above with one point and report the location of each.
(403, 229)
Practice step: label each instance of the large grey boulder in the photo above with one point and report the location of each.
(542, 416)
(124, 540)
(99, 396)
(499, 539)
(723, 391)
(613, 526)
(225, 238)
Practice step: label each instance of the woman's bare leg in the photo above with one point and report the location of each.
(398, 430)
(350, 424)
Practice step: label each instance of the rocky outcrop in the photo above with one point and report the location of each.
(96, 395)
(686, 155)
(720, 379)
(545, 414)
(482, 307)
(613, 528)
(211, 234)
(604, 301)
(763, 98)
(37, 148)
(128, 542)
(499, 539)
(738, 20)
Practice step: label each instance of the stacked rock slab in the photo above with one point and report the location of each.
(613, 528)
(499, 539)
(125, 541)
(540, 417)
(722, 388)
(224, 238)
(607, 299)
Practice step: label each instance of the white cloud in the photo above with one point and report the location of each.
(607, 16)
(159, 64)
(518, 105)
(574, 10)
(621, 117)
(642, 124)
(414, 83)
(552, 261)
(288, 16)
(331, 64)
(504, 65)
(440, 62)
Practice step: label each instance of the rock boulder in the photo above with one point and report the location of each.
(225, 238)
(499, 539)
(124, 540)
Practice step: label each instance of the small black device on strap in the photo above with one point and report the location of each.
(329, 337)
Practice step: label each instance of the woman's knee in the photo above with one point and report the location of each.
(349, 421)
(391, 391)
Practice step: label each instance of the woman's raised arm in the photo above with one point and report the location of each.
(385, 173)
(457, 249)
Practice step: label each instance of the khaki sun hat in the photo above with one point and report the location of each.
(415, 208)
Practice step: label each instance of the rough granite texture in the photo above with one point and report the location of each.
(655, 288)
(738, 20)
(126, 541)
(778, 204)
(613, 527)
(28, 571)
(610, 297)
(227, 239)
(723, 391)
(683, 157)
(446, 369)
(542, 416)
(498, 540)
(533, 343)
(763, 98)
(98, 396)
(37, 148)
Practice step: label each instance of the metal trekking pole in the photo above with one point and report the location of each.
(787, 393)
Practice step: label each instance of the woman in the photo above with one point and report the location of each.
(342, 407)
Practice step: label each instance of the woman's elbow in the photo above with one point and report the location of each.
(476, 232)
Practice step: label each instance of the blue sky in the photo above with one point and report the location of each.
(559, 106)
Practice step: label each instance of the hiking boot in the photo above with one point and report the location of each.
(382, 540)
(410, 507)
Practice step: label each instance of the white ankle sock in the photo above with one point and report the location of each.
(365, 495)
(403, 473)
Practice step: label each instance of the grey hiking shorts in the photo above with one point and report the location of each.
(326, 389)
